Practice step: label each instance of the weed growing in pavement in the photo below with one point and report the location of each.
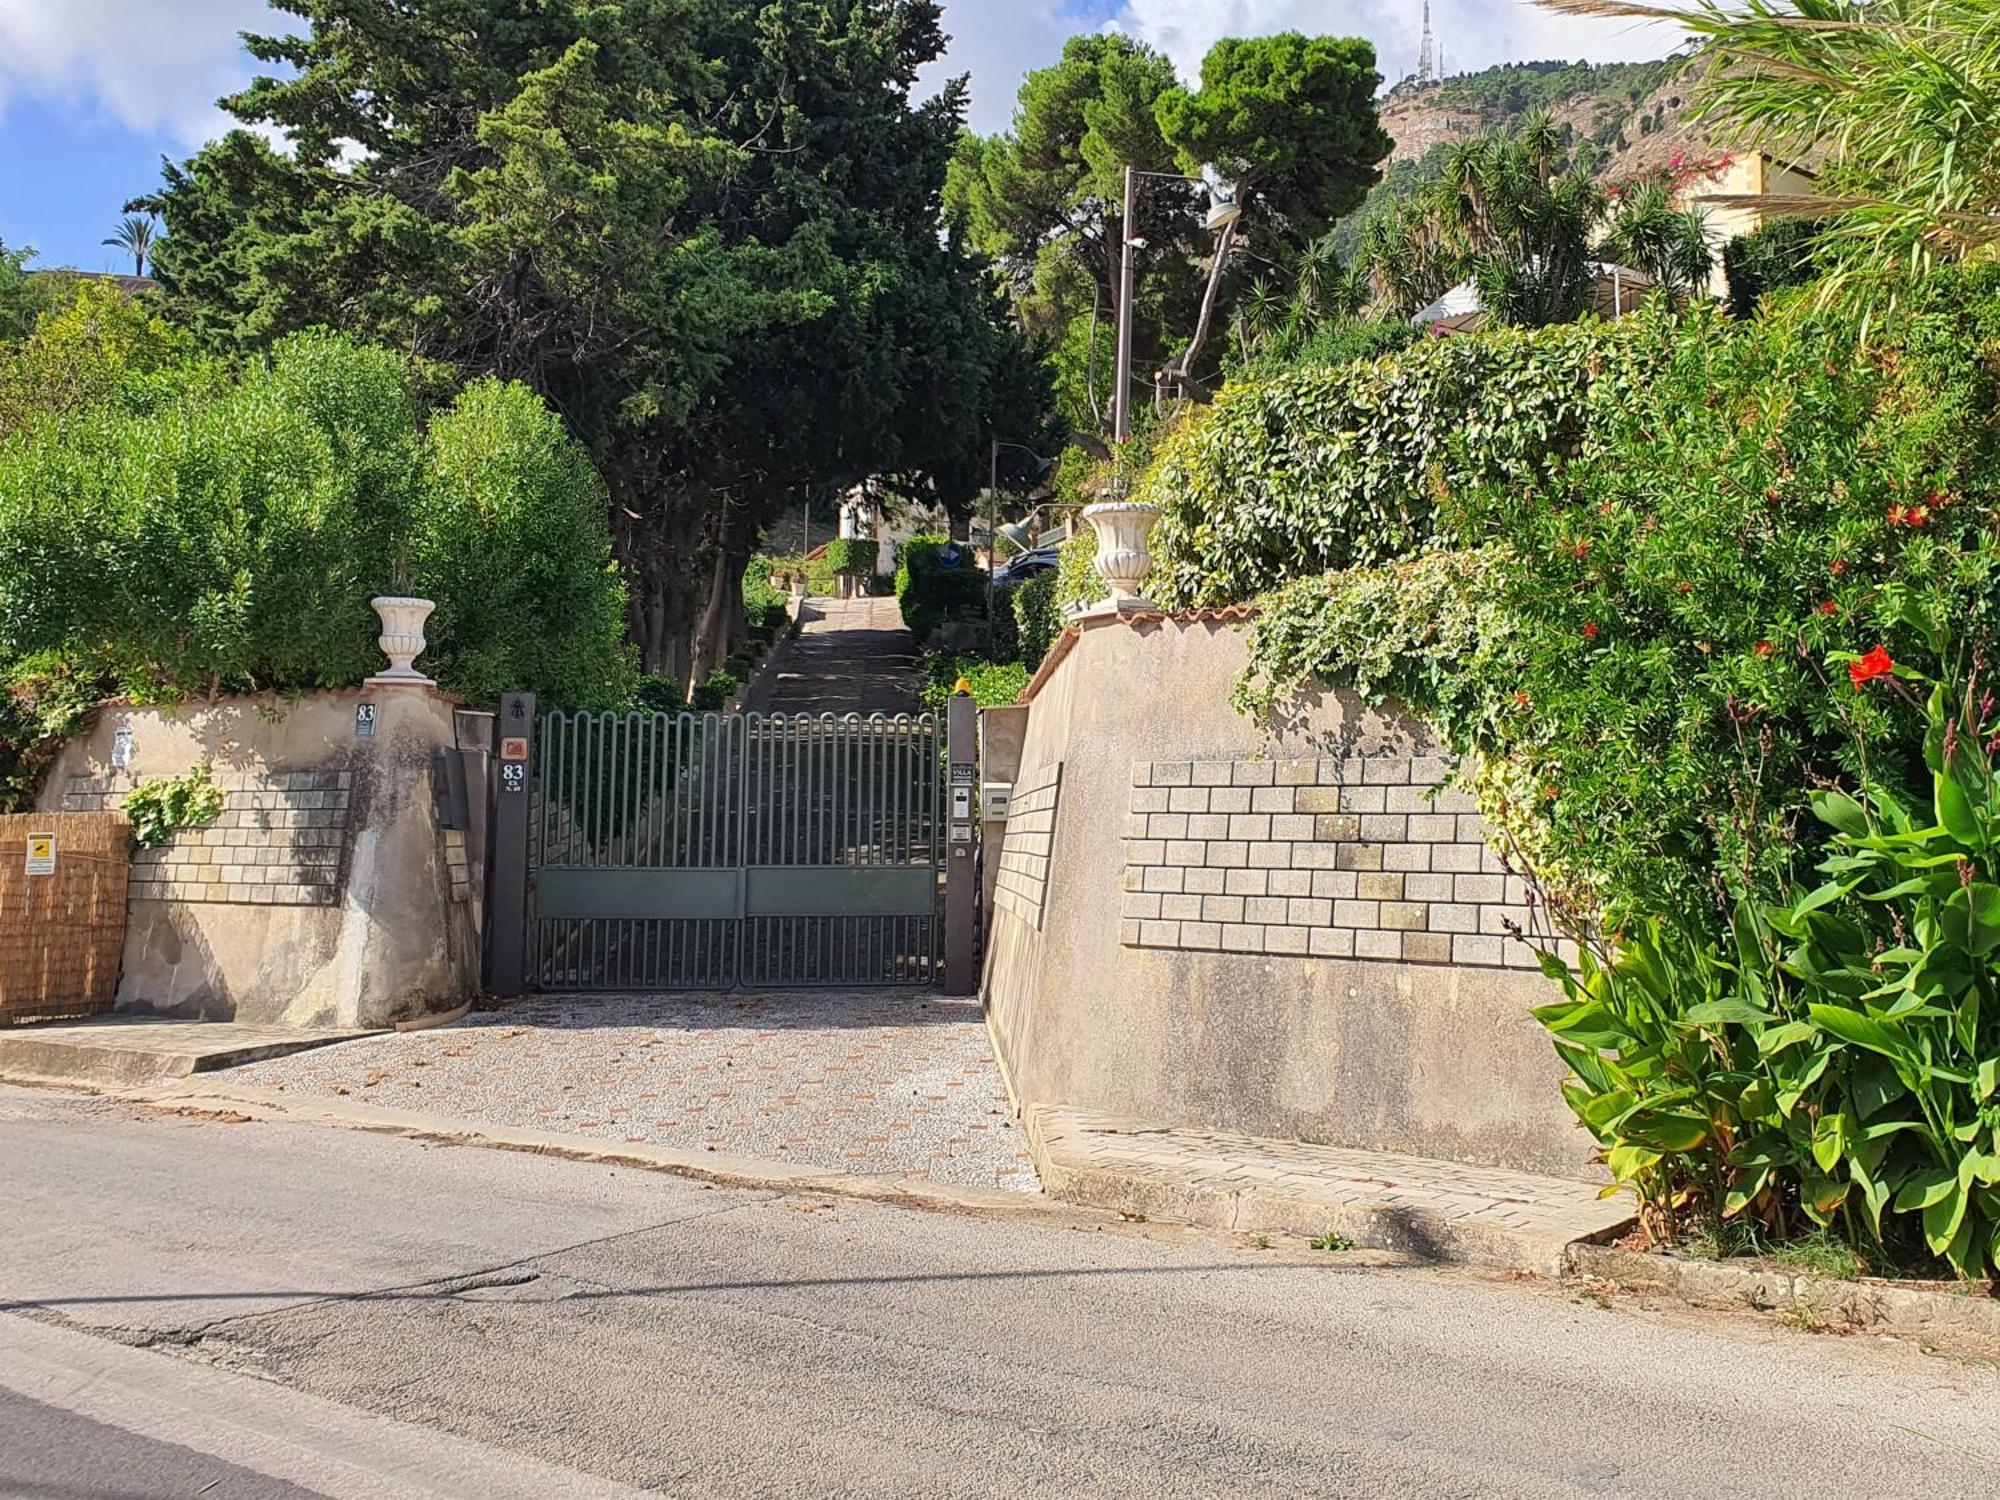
(1333, 1239)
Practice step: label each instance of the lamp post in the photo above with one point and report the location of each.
(993, 521)
(1223, 212)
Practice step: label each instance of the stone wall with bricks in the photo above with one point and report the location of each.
(1324, 856)
(1022, 886)
(280, 839)
(330, 890)
(1289, 928)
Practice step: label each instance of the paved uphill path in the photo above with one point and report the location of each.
(851, 656)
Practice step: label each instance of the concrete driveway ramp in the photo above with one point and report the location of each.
(121, 1051)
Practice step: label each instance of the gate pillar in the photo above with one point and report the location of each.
(961, 877)
(510, 803)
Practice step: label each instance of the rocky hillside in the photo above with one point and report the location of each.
(1635, 111)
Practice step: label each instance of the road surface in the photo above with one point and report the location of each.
(700, 1341)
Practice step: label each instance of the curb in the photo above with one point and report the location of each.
(1818, 1302)
(723, 1169)
(69, 1062)
(1406, 1229)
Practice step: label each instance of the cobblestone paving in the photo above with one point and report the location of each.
(875, 1082)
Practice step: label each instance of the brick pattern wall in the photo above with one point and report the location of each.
(1022, 886)
(278, 842)
(1349, 857)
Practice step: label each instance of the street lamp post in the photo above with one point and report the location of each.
(1121, 395)
(1223, 212)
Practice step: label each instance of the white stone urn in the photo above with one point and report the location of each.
(402, 638)
(1123, 555)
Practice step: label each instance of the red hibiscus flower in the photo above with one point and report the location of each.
(1876, 663)
(1829, 608)
(1763, 648)
(1590, 630)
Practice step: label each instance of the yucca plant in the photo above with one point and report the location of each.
(1896, 101)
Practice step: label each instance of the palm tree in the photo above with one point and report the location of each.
(1669, 244)
(135, 238)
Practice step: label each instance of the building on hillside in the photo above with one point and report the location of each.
(1756, 174)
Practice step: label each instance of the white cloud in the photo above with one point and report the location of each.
(155, 66)
(997, 42)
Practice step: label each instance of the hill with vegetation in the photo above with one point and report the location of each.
(1635, 112)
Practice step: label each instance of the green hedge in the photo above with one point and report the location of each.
(1666, 657)
(1344, 467)
(228, 537)
(1038, 618)
(930, 594)
(1643, 636)
(852, 556)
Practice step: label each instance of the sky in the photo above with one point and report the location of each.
(93, 93)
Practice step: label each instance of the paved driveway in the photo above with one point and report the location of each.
(881, 1082)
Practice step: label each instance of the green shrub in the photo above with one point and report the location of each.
(1328, 468)
(509, 537)
(188, 532)
(765, 607)
(852, 556)
(1837, 1057)
(162, 806)
(931, 595)
(992, 682)
(1077, 583)
(1037, 617)
(1637, 648)
(1783, 253)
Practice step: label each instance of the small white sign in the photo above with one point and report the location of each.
(364, 721)
(41, 854)
(121, 747)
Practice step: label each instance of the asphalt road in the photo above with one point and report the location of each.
(711, 1342)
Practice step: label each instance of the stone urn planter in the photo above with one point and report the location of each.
(402, 637)
(1124, 556)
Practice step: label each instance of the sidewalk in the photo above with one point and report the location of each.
(850, 656)
(1436, 1210)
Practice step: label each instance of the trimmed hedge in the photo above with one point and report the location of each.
(1643, 639)
(852, 556)
(931, 595)
(1344, 467)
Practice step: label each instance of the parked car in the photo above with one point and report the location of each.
(1027, 565)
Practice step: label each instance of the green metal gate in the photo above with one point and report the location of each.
(712, 851)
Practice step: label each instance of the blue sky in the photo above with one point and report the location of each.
(94, 92)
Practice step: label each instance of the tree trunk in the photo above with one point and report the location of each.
(1181, 370)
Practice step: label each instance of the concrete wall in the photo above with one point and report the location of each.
(1212, 1018)
(326, 894)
